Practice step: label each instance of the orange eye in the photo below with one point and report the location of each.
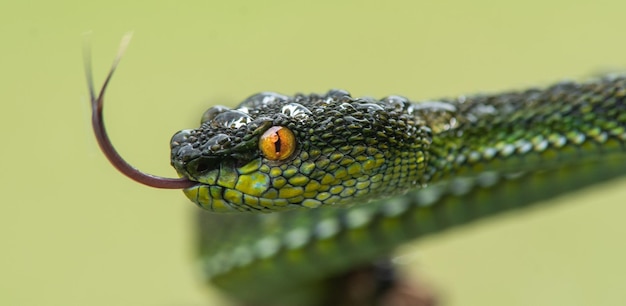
(277, 143)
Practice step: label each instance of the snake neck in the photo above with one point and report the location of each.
(535, 129)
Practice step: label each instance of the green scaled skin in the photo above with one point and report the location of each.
(432, 165)
(352, 150)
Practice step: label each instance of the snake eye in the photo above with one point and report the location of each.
(277, 143)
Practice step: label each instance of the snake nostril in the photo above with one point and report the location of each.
(205, 164)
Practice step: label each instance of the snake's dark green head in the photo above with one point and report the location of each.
(274, 152)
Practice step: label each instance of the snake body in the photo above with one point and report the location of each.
(366, 175)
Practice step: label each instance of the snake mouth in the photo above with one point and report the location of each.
(225, 186)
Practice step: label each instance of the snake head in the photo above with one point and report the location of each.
(273, 152)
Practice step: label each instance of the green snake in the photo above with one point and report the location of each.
(315, 185)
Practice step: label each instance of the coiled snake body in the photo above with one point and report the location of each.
(317, 184)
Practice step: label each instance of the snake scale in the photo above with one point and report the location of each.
(314, 185)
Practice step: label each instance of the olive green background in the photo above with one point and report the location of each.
(75, 232)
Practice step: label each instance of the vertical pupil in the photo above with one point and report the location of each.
(277, 144)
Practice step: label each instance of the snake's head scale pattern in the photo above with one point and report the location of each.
(274, 152)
